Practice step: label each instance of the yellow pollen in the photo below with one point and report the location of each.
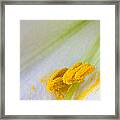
(58, 73)
(60, 81)
(55, 84)
(77, 74)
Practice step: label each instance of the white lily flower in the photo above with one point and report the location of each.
(50, 45)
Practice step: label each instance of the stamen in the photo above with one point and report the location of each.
(77, 74)
(55, 84)
(60, 81)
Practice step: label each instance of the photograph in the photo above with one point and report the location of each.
(60, 60)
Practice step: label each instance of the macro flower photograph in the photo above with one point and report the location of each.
(60, 60)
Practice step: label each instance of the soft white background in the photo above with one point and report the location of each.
(13, 15)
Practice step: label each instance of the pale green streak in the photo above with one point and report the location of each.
(71, 90)
(59, 40)
(96, 58)
(90, 53)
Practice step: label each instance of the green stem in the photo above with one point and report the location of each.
(71, 91)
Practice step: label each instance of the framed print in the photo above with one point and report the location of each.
(60, 60)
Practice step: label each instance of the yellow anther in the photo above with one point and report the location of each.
(85, 71)
(57, 87)
(58, 73)
(55, 84)
(68, 77)
(77, 74)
